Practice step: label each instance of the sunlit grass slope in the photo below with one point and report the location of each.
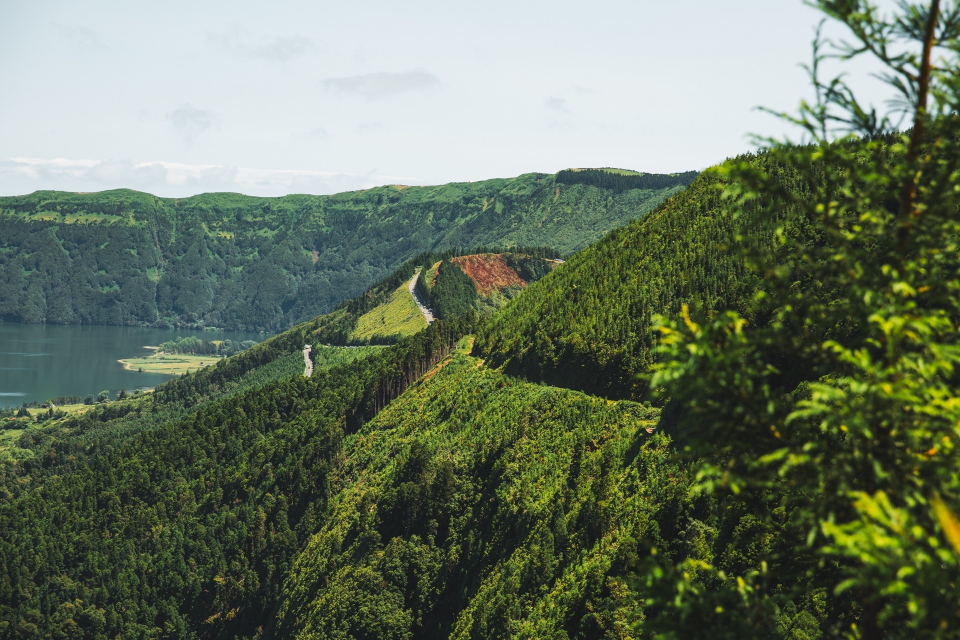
(398, 316)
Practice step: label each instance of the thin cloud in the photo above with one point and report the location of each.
(82, 37)
(581, 90)
(557, 104)
(22, 175)
(190, 121)
(377, 86)
(271, 49)
(368, 127)
(561, 100)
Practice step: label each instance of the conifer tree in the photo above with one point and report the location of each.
(833, 413)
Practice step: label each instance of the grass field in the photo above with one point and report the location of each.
(174, 364)
(9, 436)
(430, 278)
(397, 316)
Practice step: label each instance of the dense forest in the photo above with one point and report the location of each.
(269, 450)
(196, 346)
(618, 180)
(453, 295)
(736, 418)
(373, 501)
(237, 262)
(482, 280)
(596, 315)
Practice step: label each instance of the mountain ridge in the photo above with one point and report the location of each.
(244, 262)
(501, 476)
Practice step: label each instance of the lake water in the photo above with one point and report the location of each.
(39, 362)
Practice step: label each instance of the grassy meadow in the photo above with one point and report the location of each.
(168, 363)
(398, 316)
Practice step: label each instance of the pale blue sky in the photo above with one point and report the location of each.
(177, 98)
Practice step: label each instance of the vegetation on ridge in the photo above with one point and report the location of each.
(800, 481)
(618, 180)
(590, 327)
(398, 316)
(237, 262)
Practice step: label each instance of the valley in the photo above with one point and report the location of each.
(592, 405)
(513, 468)
(243, 263)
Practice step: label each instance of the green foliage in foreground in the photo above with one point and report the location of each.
(857, 455)
(858, 463)
(231, 261)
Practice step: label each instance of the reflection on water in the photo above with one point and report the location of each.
(39, 362)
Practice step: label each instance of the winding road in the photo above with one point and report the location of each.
(307, 362)
(412, 286)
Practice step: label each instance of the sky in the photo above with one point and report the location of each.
(271, 98)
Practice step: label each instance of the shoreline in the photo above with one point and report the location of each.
(171, 364)
(126, 361)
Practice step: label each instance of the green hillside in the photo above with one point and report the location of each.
(589, 325)
(736, 418)
(216, 503)
(368, 501)
(421, 490)
(386, 311)
(523, 524)
(239, 262)
(399, 315)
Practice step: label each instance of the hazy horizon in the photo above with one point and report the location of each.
(322, 98)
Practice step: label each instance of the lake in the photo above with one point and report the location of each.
(39, 362)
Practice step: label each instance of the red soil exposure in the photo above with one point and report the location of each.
(489, 271)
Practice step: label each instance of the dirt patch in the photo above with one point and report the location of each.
(436, 369)
(433, 272)
(489, 271)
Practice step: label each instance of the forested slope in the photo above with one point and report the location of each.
(382, 314)
(276, 358)
(808, 342)
(239, 262)
(238, 502)
(186, 529)
(479, 506)
(424, 492)
(588, 325)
